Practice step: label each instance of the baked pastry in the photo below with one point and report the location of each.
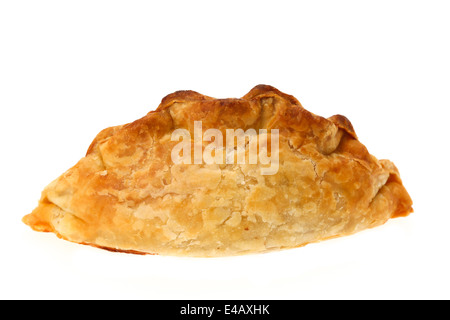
(128, 194)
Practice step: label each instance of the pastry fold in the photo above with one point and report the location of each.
(128, 195)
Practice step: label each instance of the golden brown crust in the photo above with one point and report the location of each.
(343, 123)
(127, 195)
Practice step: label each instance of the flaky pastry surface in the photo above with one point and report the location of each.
(127, 195)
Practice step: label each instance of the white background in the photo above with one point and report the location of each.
(71, 68)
